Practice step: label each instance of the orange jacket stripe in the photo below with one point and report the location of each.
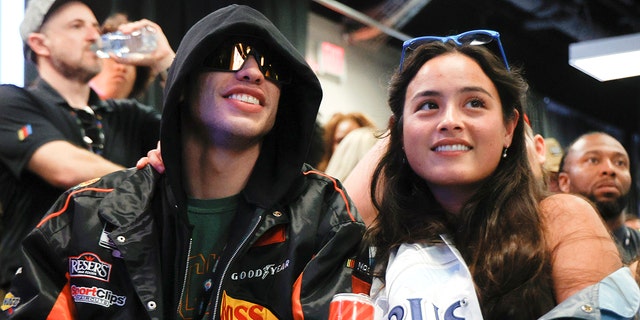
(338, 189)
(360, 286)
(64, 308)
(66, 204)
(296, 305)
(275, 235)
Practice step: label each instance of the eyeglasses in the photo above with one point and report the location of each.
(91, 129)
(231, 56)
(474, 37)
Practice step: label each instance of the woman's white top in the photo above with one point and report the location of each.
(426, 282)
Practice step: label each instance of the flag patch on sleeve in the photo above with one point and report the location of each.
(24, 132)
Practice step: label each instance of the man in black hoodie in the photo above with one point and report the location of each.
(237, 227)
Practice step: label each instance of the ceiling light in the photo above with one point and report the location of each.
(609, 58)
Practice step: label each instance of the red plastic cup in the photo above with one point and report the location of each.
(351, 306)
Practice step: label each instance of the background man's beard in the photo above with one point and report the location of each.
(80, 73)
(610, 209)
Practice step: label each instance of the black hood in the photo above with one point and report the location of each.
(285, 147)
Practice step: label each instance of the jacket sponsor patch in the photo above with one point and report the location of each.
(10, 301)
(236, 309)
(89, 265)
(98, 296)
(262, 273)
(105, 241)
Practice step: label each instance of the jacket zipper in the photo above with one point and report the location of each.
(184, 281)
(226, 267)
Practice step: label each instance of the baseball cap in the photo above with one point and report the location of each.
(38, 11)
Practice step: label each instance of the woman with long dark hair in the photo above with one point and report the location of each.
(463, 229)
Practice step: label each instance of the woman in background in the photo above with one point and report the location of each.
(337, 128)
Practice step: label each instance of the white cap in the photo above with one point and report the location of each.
(34, 16)
(37, 11)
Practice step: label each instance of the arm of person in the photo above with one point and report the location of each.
(64, 165)
(30, 139)
(582, 250)
(358, 182)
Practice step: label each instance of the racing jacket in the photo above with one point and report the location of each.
(97, 257)
(118, 247)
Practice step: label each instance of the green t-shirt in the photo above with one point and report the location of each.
(211, 219)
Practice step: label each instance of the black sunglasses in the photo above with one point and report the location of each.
(473, 37)
(232, 54)
(92, 131)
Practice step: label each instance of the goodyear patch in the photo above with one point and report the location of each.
(236, 309)
(261, 273)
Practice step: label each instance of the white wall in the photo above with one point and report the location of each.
(11, 56)
(363, 87)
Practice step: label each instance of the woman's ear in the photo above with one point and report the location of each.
(510, 127)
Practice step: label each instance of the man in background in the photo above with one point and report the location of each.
(596, 166)
(58, 133)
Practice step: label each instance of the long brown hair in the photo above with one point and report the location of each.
(499, 231)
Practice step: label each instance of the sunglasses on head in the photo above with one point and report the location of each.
(473, 37)
(232, 54)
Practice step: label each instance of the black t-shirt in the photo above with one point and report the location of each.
(28, 121)
(628, 241)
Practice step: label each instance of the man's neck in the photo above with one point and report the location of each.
(74, 92)
(213, 173)
(614, 223)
